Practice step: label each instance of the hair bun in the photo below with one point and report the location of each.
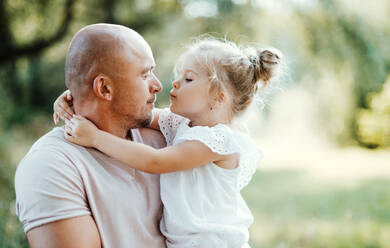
(268, 64)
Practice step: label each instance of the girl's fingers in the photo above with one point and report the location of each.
(65, 107)
(62, 112)
(56, 109)
(73, 121)
(68, 95)
(68, 129)
(78, 117)
(66, 115)
(69, 137)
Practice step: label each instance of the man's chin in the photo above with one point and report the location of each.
(145, 121)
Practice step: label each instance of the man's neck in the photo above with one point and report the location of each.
(111, 126)
(103, 119)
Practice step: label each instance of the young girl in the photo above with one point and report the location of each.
(205, 164)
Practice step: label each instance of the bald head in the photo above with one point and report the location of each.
(109, 71)
(99, 49)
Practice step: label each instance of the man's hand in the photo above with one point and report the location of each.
(68, 233)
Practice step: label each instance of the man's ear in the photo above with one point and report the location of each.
(102, 87)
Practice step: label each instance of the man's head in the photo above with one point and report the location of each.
(109, 72)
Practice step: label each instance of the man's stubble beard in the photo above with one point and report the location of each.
(129, 120)
(144, 122)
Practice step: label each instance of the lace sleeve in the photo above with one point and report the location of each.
(249, 161)
(218, 138)
(169, 123)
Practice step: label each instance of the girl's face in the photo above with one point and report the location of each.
(190, 92)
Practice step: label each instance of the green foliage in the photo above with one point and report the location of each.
(11, 230)
(318, 38)
(374, 122)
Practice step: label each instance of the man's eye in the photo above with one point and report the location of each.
(188, 80)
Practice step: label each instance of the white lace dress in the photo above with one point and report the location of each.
(203, 206)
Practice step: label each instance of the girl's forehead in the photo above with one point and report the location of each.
(190, 63)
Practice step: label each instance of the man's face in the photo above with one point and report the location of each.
(135, 90)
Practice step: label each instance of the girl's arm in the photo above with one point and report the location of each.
(184, 156)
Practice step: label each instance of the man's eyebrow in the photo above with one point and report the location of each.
(149, 68)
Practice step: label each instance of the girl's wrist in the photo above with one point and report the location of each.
(97, 138)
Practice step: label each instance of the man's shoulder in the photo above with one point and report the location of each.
(52, 149)
(48, 182)
(53, 142)
(50, 160)
(54, 138)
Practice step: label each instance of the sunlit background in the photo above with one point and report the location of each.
(324, 127)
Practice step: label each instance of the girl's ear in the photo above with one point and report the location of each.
(221, 97)
(102, 87)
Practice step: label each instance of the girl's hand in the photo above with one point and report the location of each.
(81, 131)
(63, 107)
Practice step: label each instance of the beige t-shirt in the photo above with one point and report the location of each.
(58, 180)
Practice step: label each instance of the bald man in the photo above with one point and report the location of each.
(71, 196)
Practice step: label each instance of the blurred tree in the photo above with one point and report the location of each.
(338, 38)
(10, 48)
(374, 122)
(28, 29)
(16, 45)
(33, 33)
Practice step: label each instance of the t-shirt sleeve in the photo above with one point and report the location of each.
(169, 123)
(48, 188)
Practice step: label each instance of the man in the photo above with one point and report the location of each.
(71, 196)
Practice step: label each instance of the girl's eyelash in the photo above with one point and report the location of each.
(188, 79)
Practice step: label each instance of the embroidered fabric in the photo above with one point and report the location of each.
(220, 139)
(217, 138)
(169, 123)
(248, 161)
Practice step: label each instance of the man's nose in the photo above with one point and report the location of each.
(175, 84)
(155, 85)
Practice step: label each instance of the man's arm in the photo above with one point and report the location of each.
(67, 233)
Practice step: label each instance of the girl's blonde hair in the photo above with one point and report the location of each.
(234, 69)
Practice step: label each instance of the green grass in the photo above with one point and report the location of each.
(292, 210)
